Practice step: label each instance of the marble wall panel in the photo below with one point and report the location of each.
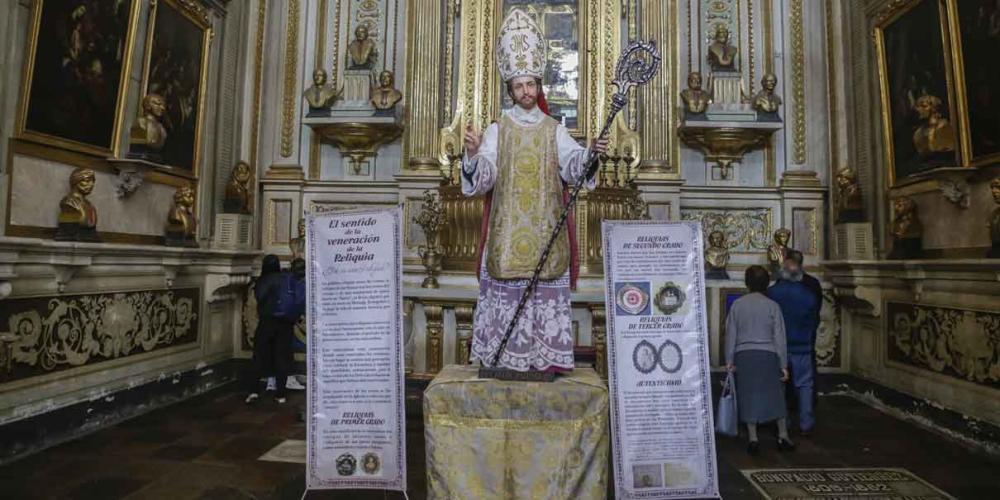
(37, 185)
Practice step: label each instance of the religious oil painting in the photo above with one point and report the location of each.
(559, 21)
(975, 30)
(175, 68)
(76, 73)
(918, 115)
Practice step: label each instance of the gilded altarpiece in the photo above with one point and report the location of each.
(51, 334)
(583, 40)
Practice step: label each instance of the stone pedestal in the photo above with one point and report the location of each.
(234, 231)
(357, 92)
(853, 241)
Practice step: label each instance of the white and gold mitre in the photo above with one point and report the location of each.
(521, 49)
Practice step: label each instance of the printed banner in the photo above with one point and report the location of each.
(356, 427)
(663, 441)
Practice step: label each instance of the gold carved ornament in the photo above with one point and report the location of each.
(74, 331)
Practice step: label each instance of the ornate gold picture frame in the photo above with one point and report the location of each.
(975, 41)
(176, 67)
(917, 89)
(75, 77)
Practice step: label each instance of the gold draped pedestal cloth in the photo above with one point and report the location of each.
(492, 439)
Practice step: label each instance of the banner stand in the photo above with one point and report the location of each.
(662, 434)
(355, 417)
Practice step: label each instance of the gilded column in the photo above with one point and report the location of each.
(599, 331)
(659, 112)
(435, 335)
(463, 329)
(423, 84)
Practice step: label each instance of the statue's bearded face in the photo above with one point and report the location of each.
(524, 91)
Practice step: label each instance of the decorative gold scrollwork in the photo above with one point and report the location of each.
(66, 332)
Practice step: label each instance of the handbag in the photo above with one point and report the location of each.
(726, 416)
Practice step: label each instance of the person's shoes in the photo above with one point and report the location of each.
(280, 400)
(271, 385)
(753, 448)
(294, 384)
(251, 398)
(785, 445)
(806, 432)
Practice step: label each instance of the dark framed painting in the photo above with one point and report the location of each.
(176, 68)
(917, 91)
(975, 36)
(76, 69)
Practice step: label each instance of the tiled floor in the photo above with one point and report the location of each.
(208, 448)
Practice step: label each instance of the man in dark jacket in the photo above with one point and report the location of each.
(816, 288)
(272, 347)
(800, 310)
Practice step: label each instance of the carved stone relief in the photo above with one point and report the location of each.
(50, 334)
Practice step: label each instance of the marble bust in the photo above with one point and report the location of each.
(361, 49)
(722, 55)
(320, 96)
(906, 230)
(385, 96)
(695, 99)
(238, 195)
(765, 101)
(182, 226)
(77, 216)
(994, 224)
(779, 249)
(716, 256)
(147, 135)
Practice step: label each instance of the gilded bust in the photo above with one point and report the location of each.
(298, 244)
(906, 230)
(779, 249)
(935, 134)
(995, 221)
(320, 96)
(695, 99)
(238, 196)
(849, 203)
(384, 97)
(765, 101)
(147, 135)
(722, 55)
(77, 217)
(717, 256)
(361, 49)
(182, 226)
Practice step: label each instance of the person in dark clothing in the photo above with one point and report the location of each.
(272, 347)
(816, 288)
(808, 280)
(800, 311)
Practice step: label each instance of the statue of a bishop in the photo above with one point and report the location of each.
(523, 165)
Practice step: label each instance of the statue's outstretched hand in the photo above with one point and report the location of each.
(472, 141)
